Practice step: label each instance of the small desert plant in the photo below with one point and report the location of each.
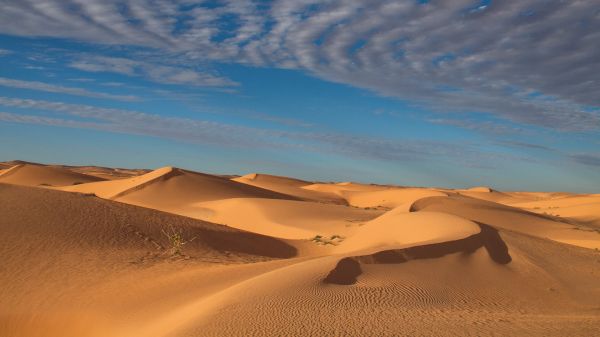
(176, 239)
(333, 240)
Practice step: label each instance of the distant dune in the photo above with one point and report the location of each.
(39, 175)
(95, 252)
(289, 186)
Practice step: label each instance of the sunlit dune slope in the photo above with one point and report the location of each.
(389, 198)
(580, 208)
(76, 265)
(41, 175)
(79, 265)
(341, 188)
(542, 288)
(107, 172)
(170, 186)
(289, 186)
(399, 229)
(510, 218)
(236, 204)
(284, 218)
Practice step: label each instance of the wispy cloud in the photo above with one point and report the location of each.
(538, 68)
(587, 159)
(4, 52)
(152, 71)
(486, 127)
(41, 86)
(525, 145)
(208, 132)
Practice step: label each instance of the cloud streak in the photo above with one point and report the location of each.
(154, 72)
(41, 86)
(531, 62)
(208, 132)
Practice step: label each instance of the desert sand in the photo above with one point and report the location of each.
(92, 251)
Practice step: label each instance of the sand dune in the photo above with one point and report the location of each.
(40, 175)
(389, 198)
(399, 229)
(462, 293)
(295, 258)
(168, 186)
(289, 186)
(59, 267)
(232, 203)
(107, 172)
(341, 188)
(104, 173)
(510, 218)
(284, 218)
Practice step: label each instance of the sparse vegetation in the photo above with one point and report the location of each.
(332, 240)
(176, 239)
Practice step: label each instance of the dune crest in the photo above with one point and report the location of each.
(289, 186)
(510, 218)
(398, 229)
(172, 252)
(41, 175)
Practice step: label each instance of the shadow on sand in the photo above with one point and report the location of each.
(348, 269)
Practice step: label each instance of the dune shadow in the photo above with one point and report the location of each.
(348, 269)
(247, 243)
(494, 245)
(345, 272)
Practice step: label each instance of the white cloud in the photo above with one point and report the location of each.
(208, 132)
(455, 55)
(154, 72)
(41, 86)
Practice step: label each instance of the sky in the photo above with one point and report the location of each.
(453, 93)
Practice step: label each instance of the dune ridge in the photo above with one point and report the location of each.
(289, 257)
(289, 186)
(41, 175)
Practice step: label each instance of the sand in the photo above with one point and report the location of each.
(40, 175)
(267, 255)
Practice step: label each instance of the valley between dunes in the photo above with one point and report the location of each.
(88, 251)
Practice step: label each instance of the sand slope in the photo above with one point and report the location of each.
(510, 218)
(580, 208)
(289, 186)
(418, 261)
(284, 218)
(236, 204)
(40, 175)
(399, 229)
(458, 294)
(72, 264)
(170, 186)
(389, 198)
(341, 188)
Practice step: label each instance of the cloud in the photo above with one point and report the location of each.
(154, 72)
(41, 86)
(208, 132)
(4, 52)
(592, 160)
(486, 127)
(527, 146)
(531, 62)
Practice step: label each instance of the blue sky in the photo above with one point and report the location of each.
(427, 93)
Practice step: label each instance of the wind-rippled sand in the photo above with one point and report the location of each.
(84, 254)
